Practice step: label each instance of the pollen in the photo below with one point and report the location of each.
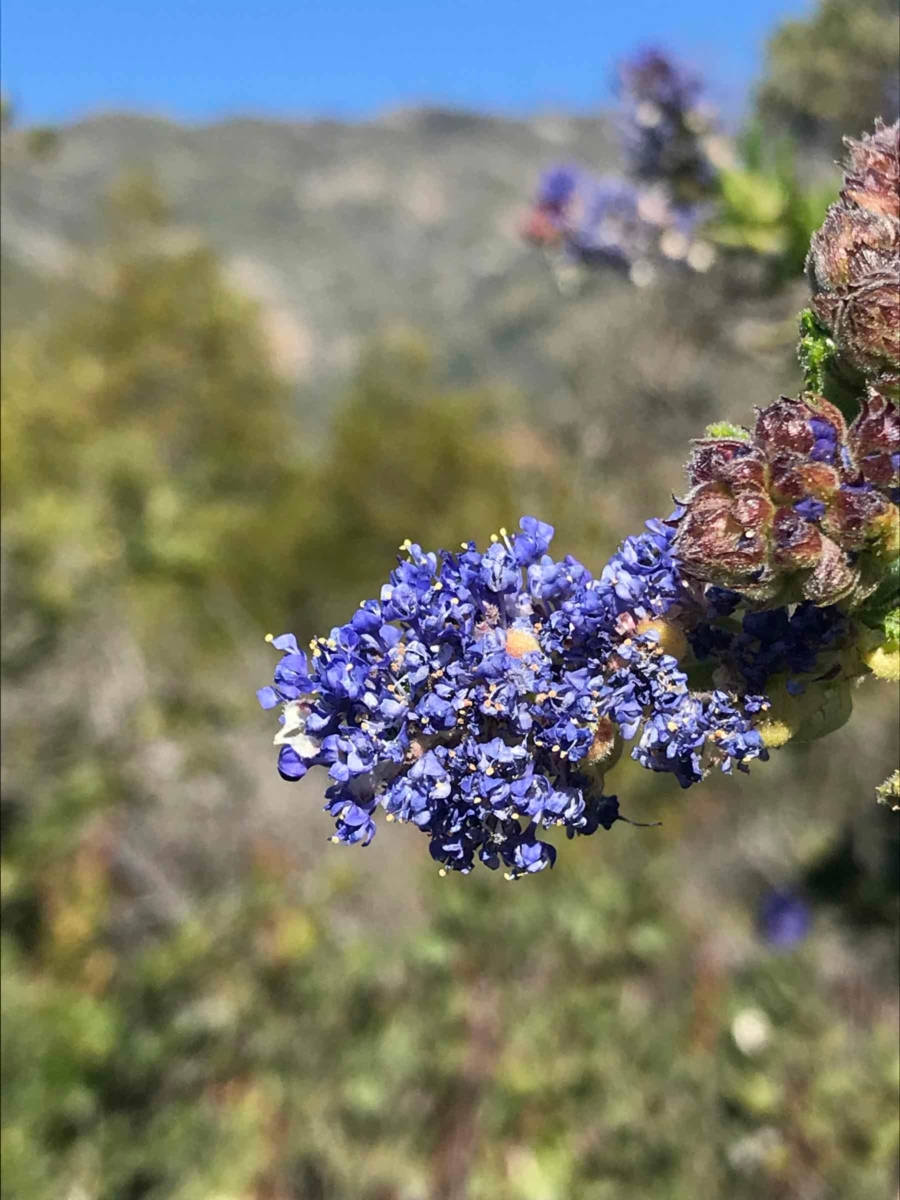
(520, 642)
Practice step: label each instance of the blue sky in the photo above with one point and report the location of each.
(201, 59)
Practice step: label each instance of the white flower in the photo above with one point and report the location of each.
(293, 732)
(751, 1030)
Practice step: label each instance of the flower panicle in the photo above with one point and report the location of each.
(485, 696)
(653, 214)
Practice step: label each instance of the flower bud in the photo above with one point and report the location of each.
(880, 649)
(670, 638)
(821, 708)
(606, 748)
(888, 793)
(852, 265)
(884, 663)
(807, 507)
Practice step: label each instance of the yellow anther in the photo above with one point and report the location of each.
(520, 642)
(503, 532)
(270, 637)
(442, 872)
(494, 538)
(389, 817)
(776, 733)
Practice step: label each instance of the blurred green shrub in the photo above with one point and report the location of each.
(765, 207)
(833, 72)
(569, 1039)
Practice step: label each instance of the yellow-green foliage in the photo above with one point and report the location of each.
(766, 209)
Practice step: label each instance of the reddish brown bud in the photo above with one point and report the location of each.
(854, 259)
(872, 179)
(793, 513)
(833, 577)
(875, 440)
(710, 455)
(784, 425)
(798, 542)
(852, 517)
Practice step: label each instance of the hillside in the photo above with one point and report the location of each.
(337, 228)
(343, 230)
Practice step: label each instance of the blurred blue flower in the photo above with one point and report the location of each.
(784, 918)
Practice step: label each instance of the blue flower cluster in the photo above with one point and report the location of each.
(590, 220)
(665, 131)
(484, 696)
(655, 213)
(775, 641)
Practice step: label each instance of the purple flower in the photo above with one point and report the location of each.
(783, 918)
(468, 699)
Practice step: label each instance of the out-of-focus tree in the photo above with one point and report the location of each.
(402, 445)
(833, 72)
(38, 142)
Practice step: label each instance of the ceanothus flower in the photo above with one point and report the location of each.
(485, 695)
(653, 214)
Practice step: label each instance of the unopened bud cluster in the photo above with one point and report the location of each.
(853, 259)
(804, 508)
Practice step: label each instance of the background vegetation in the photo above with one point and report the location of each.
(200, 997)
